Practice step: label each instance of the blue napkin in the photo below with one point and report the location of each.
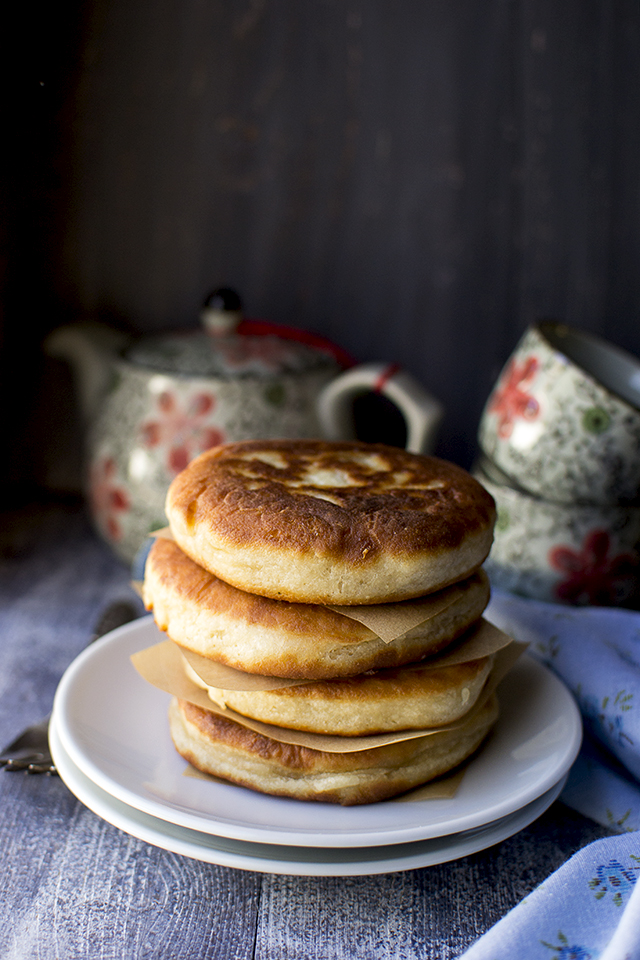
(596, 651)
(589, 909)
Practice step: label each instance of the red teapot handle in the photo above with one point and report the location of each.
(222, 314)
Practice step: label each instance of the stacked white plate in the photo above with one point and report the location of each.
(110, 742)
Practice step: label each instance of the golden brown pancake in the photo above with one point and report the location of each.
(330, 523)
(407, 698)
(275, 638)
(219, 746)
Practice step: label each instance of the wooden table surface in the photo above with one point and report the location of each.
(74, 887)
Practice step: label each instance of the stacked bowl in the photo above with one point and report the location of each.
(560, 453)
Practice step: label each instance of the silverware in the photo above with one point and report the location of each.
(30, 750)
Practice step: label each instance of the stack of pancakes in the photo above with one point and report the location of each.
(275, 543)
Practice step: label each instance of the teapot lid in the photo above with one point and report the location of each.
(232, 346)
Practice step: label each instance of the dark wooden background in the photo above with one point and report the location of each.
(417, 179)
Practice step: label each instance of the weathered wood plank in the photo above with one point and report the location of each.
(431, 914)
(74, 886)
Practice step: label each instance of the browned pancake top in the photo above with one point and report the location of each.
(352, 500)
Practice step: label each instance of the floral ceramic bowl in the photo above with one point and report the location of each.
(563, 553)
(563, 421)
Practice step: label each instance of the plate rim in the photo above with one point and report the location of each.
(136, 635)
(253, 856)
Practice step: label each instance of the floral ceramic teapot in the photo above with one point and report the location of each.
(153, 403)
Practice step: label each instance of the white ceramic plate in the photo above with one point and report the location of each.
(296, 861)
(113, 726)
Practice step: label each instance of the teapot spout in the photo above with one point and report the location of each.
(90, 349)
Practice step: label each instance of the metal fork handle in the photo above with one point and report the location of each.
(45, 765)
(29, 749)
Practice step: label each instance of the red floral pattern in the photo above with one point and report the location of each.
(510, 400)
(182, 429)
(592, 575)
(109, 500)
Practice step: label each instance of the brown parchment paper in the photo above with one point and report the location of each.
(481, 640)
(161, 665)
(392, 620)
(219, 675)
